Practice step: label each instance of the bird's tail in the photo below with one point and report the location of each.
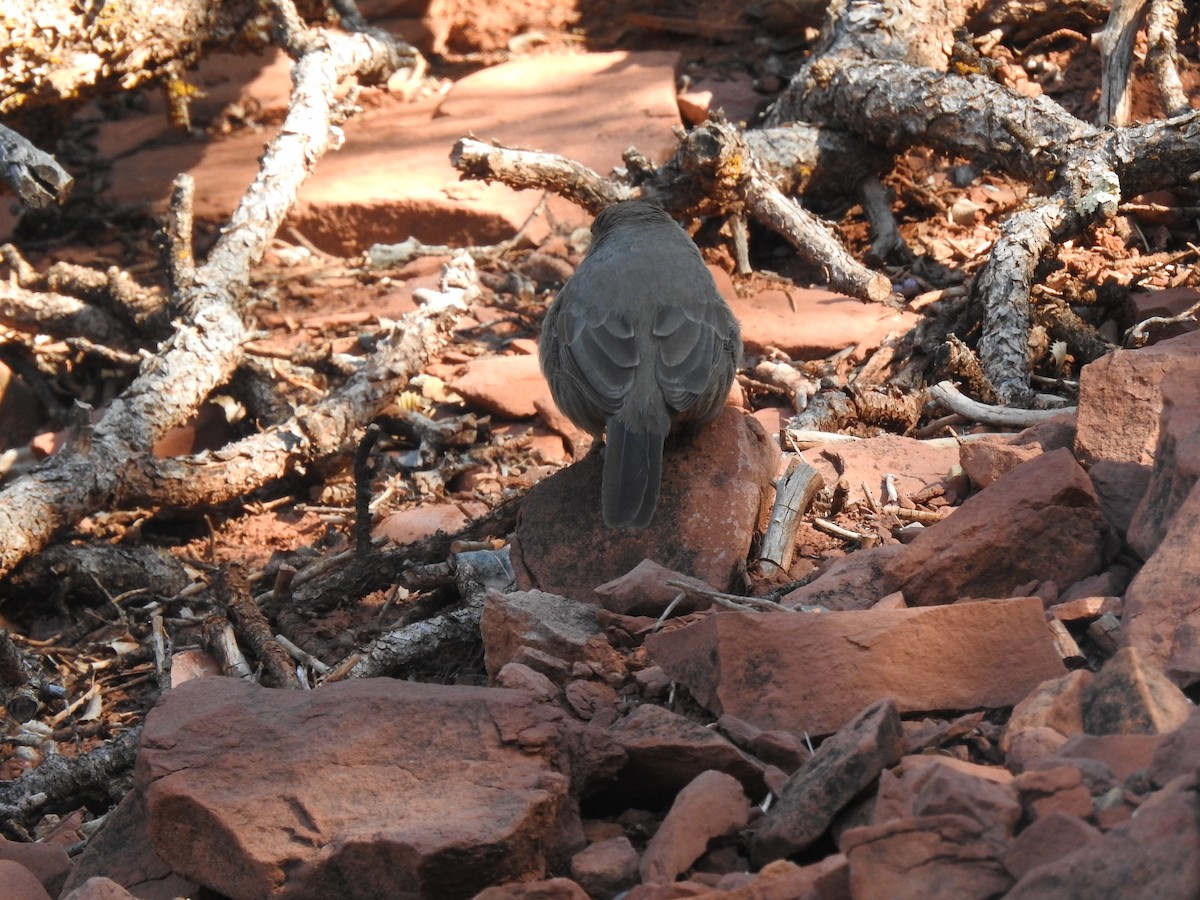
(632, 472)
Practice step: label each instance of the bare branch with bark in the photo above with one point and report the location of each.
(203, 352)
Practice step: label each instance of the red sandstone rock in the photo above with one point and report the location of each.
(189, 664)
(715, 486)
(666, 751)
(554, 626)
(1111, 582)
(1178, 753)
(915, 464)
(48, 862)
(679, 889)
(1176, 455)
(811, 672)
(643, 591)
(592, 700)
(1165, 303)
(520, 677)
(606, 868)
(461, 787)
(841, 768)
(1123, 754)
(122, 851)
(778, 748)
(463, 27)
(1157, 852)
(711, 805)
(1040, 520)
(1160, 602)
(1028, 747)
(600, 104)
(1046, 840)
(812, 323)
(1120, 397)
(734, 95)
(1159, 614)
(505, 386)
(987, 459)
(18, 883)
(1130, 695)
(653, 681)
(550, 889)
(1057, 704)
(1058, 788)
(409, 525)
(1120, 487)
(853, 582)
(915, 762)
(99, 889)
(784, 880)
(934, 789)
(556, 669)
(929, 858)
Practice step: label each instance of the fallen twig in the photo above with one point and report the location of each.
(1006, 416)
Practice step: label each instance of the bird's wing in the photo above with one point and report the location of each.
(599, 353)
(690, 340)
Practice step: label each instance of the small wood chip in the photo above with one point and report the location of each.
(1104, 632)
(1064, 643)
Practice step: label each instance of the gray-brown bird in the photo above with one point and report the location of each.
(638, 341)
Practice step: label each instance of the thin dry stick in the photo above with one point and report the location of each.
(729, 601)
(1005, 416)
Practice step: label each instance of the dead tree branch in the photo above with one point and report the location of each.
(205, 349)
(855, 84)
(1115, 43)
(61, 779)
(715, 171)
(314, 432)
(58, 51)
(34, 175)
(1162, 23)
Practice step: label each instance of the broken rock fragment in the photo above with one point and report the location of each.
(840, 769)
(666, 751)
(944, 857)
(715, 484)
(534, 620)
(254, 792)
(1039, 520)
(1130, 695)
(810, 673)
(1156, 853)
(712, 804)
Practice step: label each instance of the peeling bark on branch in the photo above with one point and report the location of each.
(896, 104)
(1162, 22)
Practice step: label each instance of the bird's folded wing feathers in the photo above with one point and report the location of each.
(601, 356)
(690, 339)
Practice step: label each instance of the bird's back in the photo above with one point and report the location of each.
(638, 339)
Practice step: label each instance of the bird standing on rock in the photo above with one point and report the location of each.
(638, 341)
